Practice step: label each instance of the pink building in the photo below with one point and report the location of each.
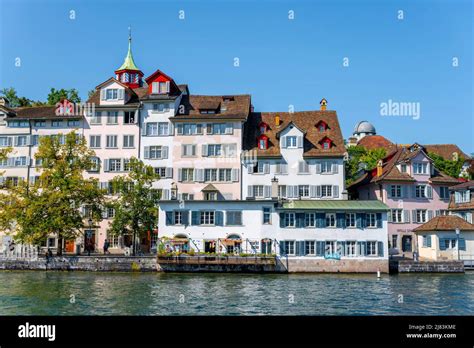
(415, 191)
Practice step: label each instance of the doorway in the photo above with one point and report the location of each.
(89, 240)
(406, 244)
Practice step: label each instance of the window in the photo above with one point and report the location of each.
(290, 220)
(260, 168)
(18, 124)
(350, 220)
(94, 141)
(56, 123)
(303, 190)
(217, 128)
(262, 144)
(187, 174)
(326, 167)
(326, 191)
(289, 246)
(326, 145)
(258, 191)
(207, 218)
(330, 247)
(40, 124)
(5, 141)
(187, 196)
(371, 248)
(161, 172)
(129, 117)
(421, 216)
(267, 216)
(12, 181)
(310, 220)
(97, 118)
(396, 215)
(420, 168)
(110, 213)
(396, 191)
(126, 165)
(426, 241)
(443, 192)
(322, 127)
(163, 128)
(462, 196)
(115, 165)
(234, 218)
(350, 249)
(449, 244)
(20, 161)
(310, 247)
(155, 152)
(111, 93)
(291, 142)
(403, 168)
(330, 220)
(95, 164)
(162, 107)
(214, 150)
(371, 219)
(303, 167)
(178, 218)
(21, 140)
(210, 175)
(112, 117)
(73, 123)
(190, 128)
(420, 191)
(394, 241)
(111, 141)
(128, 141)
(188, 150)
(225, 175)
(210, 196)
(282, 191)
(163, 87)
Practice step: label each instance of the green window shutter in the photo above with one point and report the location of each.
(219, 218)
(462, 244)
(341, 220)
(379, 220)
(282, 220)
(282, 248)
(169, 218)
(195, 218)
(442, 246)
(428, 241)
(319, 248)
(380, 248)
(320, 220)
(185, 218)
(359, 220)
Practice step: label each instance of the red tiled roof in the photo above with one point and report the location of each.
(375, 142)
(445, 150)
(445, 223)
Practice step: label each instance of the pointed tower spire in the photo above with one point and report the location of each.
(128, 72)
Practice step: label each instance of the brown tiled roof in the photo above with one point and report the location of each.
(304, 120)
(238, 108)
(469, 185)
(441, 178)
(445, 150)
(445, 223)
(39, 112)
(375, 142)
(465, 185)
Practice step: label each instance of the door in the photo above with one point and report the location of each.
(406, 243)
(69, 247)
(89, 240)
(210, 246)
(266, 246)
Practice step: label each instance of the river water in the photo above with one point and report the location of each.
(81, 293)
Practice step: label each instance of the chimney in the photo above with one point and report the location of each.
(277, 120)
(274, 188)
(323, 104)
(379, 168)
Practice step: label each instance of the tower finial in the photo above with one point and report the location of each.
(129, 33)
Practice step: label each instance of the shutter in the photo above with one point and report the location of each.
(185, 217)
(284, 168)
(319, 248)
(335, 168)
(413, 191)
(282, 220)
(312, 191)
(204, 150)
(318, 191)
(106, 165)
(300, 248)
(318, 167)
(437, 212)
(380, 249)
(267, 191)
(413, 216)
(361, 248)
(442, 246)
(389, 216)
(278, 168)
(335, 191)
(166, 194)
(146, 153)
(320, 220)
(16, 141)
(167, 86)
(209, 128)
(164, 152)
(406, 216)
(235, 174)
(170, 128)
(120, 94)
(266, 168)
(282, 248)
(199, 128)
(169, 218)
(359, 220)
(462, 244)
(250, 191)
(429, 192)
(300, 167)
(180, 174)
(169, 173)
(283, 142)
(180, 128)
(194, 218)
(200, 175)
(219, 218)
(299, 220)
(300, 142)
(340, 220)
(144, 130)
(340, 248)
(250, 168)
(379, 220)
(428, 240)
(102, 94)
(296, 192)
(430, 214)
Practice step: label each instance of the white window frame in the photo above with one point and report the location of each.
(292, 142)
(351, 221)
(290, 220)
(371, 220)
(331, 217)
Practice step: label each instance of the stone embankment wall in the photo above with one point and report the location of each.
(410, 266)
(335, 266)
(84, 263)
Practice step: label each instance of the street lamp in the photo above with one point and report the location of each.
(457, 242)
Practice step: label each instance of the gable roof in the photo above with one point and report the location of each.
(371, 142)
(110, 80)
(463, 186)
(304, 120)
(445, 150)
(445, 223)
(291, 123)
(236, 109)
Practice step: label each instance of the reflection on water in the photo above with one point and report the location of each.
(77, 293)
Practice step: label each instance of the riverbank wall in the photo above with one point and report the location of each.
(84, 263)
(410, 266)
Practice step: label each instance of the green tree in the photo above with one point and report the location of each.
(451, 168)
(13, 98)
(56, 96)
(135, 203)
(359, 155)
(52, 205)
(90, 93)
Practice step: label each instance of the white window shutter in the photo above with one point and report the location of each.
(154, 87)
(300, 141)
(170, 129)
(429, 191)
(413, 216)
(146, 152)
(180, 174)
(169, 172)
(406, 216)
(335, 191)
(250, 168)
(103, 95)
(318, 167)
(121, 94)
(106, 165)
(204, 150)
(167, 86)
(267, 191)
(145, 129)
(164, 152)
(200, 174)
(266, 168)
(283, 142)
(235, 174)
(318, 191)
(284, 168)
(389, 216)
(166, 194)
(312, 191)
(229, 128)
(250, 191)
(335, 167)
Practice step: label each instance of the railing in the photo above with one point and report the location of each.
(468, 261)
(19, 252)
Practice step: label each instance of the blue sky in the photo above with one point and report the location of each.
(282, 62)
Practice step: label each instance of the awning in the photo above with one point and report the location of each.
(230, 241)
(179, 241)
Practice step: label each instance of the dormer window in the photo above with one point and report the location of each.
(160, 87)
(207, 111)
(227, 98)
(326, 143)
(263, 127)
(322, 126)
(263, 142)
(112, 93)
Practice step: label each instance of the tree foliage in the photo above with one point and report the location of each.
(136, 209)
(360, 157)
(56, 96)
(52, 204)
(451, 168)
